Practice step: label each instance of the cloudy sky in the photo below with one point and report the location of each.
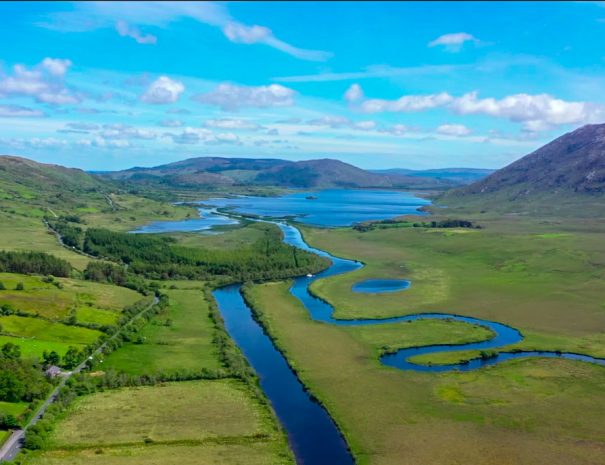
(413, 85)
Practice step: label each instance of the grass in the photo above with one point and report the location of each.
(181, 338)
(33, 348)
(49, 304)
(19, 232)
(13, 408)
(50, 301)
(258, 453)
(523, 411)
(230, 239)
(187, 422)
(132, 211)
(551, 285)
(36, 328)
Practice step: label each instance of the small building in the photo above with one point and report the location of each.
(53, 371)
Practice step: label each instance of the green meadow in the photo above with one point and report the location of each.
(178, 339)
(57, 300)
(545, 279)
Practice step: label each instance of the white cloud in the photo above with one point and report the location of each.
(93, 15)
(122, 131)
(397, 129)
(17, 111)
(163, 90)
(104, 143)
(338, 122)
(83, 126)
(190, 135)
(224, 138)
(536, 112)
(354, 93)
(229, 123)
(242, 34)
(408, 103)
(231, 97)
(56, 66)
(453, 42)
(365, 125)
(44, 82)
(458, 130)
(171, 123)
(330, 121)
(127, 30)
(46, 142)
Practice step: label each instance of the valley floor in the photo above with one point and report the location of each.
(546, 281)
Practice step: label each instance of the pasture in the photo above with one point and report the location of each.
(522, 412)
(180, 338)
(201, 422)
(57, 300)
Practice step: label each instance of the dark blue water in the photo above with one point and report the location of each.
(328, 208)
(209, 218)
(312, 434)
(380, 286)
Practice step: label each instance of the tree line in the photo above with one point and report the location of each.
(386, 224)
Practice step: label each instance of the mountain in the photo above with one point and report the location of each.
(565, 174)
(218, 171)
(21, 177)
(454, 175)
(34, 188)
(574, 162)
(30, 174)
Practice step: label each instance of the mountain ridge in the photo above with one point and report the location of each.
(316, 173)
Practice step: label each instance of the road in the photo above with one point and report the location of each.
(14, 443)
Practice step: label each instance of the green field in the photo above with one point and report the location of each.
(18, 232)
(202, 422)
(179, 339)
(13, 408)
(49, 304)
(91, 302)
(544, 278)
(548, 283)
(521, 412)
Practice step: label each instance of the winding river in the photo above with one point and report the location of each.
(312, 434)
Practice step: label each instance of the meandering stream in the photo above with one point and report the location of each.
(312, 434)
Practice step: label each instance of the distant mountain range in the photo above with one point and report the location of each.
(569, 170)
(572, 163)
(322, 173)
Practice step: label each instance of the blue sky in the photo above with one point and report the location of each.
(413, 85)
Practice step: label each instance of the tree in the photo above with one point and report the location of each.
(71, 357)
(2, 286)
(19, 287)
(11, 351)
(12, 388)
(51, 358)
(8, 422)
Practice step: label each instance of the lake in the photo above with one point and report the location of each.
(327, 208)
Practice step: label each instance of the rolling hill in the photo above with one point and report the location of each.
(218, 171)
